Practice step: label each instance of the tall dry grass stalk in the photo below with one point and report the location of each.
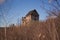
(47, 30)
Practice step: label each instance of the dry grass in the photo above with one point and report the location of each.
(48, 30)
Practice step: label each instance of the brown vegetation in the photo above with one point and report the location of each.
(47, 30)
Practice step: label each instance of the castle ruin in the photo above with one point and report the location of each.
(31, 16)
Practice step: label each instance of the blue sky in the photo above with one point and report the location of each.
(17, 9)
